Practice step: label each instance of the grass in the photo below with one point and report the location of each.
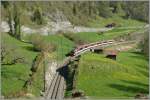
(132, 73)
(63, 45)
(102, 22)
(106, 78)
(88, 37)
(14, 76)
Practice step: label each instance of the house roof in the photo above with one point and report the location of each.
(111, 52)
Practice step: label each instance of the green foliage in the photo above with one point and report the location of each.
(37, 16)
(80, 12)
(14, 16)
(38, 59)
(137, 10)
(5, 3)
(41, 45)
(76, 39)
(117, 7)
(9, 55)
(17, 25)
(36, 78)
(63, 45)
(104, 9)
(37, 42)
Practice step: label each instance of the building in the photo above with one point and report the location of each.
(112, 54)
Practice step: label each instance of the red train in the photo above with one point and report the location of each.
(82, 47)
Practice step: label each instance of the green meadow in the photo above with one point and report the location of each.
(106, 78)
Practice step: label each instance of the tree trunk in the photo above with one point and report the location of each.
(17, 23)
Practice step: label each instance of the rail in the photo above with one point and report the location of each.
(57, 86)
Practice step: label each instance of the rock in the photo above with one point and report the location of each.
(2, 97)
(141, 96)
(77, 93)
(4, 27)
(52, 27)
(29, 95)
(27, 30)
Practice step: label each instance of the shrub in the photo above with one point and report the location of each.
(40, 45)
(74, 38)
(10, 56)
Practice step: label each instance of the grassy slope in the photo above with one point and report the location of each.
(14, 76)
(116, 32)
(122, 78)
(11, 73)
(94, 36)
(102, 22)
(63, 44)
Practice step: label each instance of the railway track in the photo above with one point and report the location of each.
(56, 89)
(98, 44)
(57, 86)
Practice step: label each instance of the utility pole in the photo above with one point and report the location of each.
(44, 71)
(44, 76)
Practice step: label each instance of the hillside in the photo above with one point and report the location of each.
(15, 75)
(52, 17)
(105, 78)
(40, 41)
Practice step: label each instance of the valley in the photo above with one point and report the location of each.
(64, 50)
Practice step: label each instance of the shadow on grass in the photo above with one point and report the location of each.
(130, 88)
(140, 55)
(144, 73)
(29, 48)
(136, 83)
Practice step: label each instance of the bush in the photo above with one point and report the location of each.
(9, 55)
(37, 16)
(74, 38)
(40, 45)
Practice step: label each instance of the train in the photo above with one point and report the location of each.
(88, 46)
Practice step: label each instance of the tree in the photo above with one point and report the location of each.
(14, 20)
(74, 8)
(17, 24)
(104, 9)
(144, 43)
(40, 45)
(37, 16)
(10, 21)
(137, 10)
